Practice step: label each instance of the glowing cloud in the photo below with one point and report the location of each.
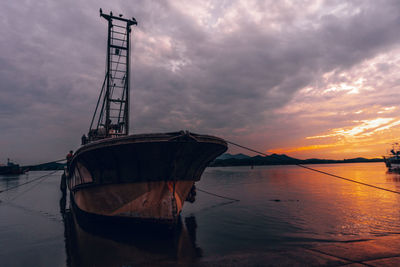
(366, 128)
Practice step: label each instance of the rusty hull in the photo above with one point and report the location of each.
(145, 176)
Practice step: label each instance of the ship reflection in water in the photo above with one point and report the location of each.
(281, 208)
(87, 244)
(393, 175)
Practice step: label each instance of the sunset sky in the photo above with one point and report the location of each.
(311, 79)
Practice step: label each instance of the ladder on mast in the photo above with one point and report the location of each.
(112, 118)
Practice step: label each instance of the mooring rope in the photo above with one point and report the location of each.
(28, 182)
(228, 198)
(216, 195)
(30, 188)
(315, 170)
(30, 166)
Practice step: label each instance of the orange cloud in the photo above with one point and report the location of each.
(302, 148)
(366, 128)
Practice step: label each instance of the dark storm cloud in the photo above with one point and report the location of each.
(237, 77)
(186, 75)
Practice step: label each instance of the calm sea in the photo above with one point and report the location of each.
(280, 207)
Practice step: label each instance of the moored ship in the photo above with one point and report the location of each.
(392, 160)
(142, 176)
(11, 168)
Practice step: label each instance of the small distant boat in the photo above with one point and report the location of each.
(145, 177)
(11, 168)
(392, 160)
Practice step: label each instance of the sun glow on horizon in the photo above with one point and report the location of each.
(346, 112)
(368, 138)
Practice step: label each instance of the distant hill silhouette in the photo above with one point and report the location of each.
(230, 156)
(46, 167)
(277, 159)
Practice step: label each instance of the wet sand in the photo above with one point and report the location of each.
(381, 251)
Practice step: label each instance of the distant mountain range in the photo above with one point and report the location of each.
(236, 156)
(46, 167)
(238, 160)
(276, 159)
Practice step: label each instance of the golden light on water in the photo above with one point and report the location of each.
(357, 202)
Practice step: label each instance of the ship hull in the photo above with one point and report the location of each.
(149, 201)
(393, 164)
(11, 170)
(146, 177)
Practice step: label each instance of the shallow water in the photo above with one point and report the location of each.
(279, 207)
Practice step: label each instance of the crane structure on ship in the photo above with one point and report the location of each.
(111, 116)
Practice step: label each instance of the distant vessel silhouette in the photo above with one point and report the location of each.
(392, 160)
(11, 168)
(114, 175)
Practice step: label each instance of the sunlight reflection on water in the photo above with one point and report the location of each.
(280, 206)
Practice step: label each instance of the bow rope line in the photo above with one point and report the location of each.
(33, 186)
(30, 166)
(315, 170)
(235, 144)
(233, 199)
(33, 180)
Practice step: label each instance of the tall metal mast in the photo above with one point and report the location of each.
(113, 116)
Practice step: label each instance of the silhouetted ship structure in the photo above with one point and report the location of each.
(141, 176)
(392, 160)
(11, 168)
